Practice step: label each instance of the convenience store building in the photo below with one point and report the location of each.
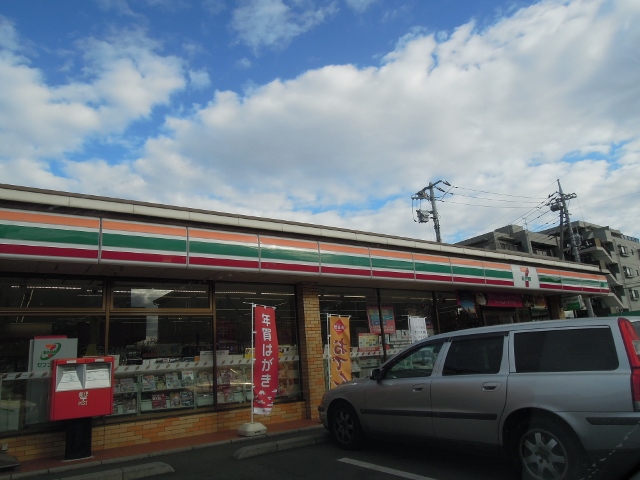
(169, 292)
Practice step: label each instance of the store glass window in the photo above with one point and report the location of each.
(25, 398)
(451, 316)
(160, 295)
(357, 304)
(67, 293)
(17, 331)
(159, 338)
(405, 304)
(234, 306)
(172, 355)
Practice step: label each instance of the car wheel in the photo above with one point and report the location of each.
(345, 427)
(546, 450)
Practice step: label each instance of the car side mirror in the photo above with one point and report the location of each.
(376, 374)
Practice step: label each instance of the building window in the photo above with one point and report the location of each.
(160, 295)
(62, 293)
(25, 398)
(234, 309)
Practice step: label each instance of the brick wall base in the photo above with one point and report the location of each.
(104, 437)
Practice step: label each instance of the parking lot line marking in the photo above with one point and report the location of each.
(391, 471)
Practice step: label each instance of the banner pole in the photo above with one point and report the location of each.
(252, 358)
(328, 354)
(252, 428)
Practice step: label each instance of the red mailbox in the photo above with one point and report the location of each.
(81, 388)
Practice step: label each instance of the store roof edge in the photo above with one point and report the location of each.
(114, 205)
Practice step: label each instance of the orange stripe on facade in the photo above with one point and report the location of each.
(391, 254)
(497, 266)
(547, 271)
(14, 216)
(418, 257)
(223, 236)
(284, 242)
(330, 247)
(584, 276)
(468, 263)
(575, 275)
(144, 228)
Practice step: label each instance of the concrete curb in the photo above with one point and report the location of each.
(262, 448)
(111, 461)
(127, 473)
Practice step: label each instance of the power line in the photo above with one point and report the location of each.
(490, 199)
(486, 206)
(609, 199)
(493, 193)
(487, 227)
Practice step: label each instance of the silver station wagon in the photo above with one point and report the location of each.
(558, 396)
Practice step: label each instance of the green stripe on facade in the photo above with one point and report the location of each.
(498, 274)
(206, 248)
(391, 264)
(548, 279)
(144, 243)
(433, 268)
(289, 255)
(468, 271)
(346, 260)
(49, 235)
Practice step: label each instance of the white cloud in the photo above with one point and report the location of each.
(495, 110)
(550, 93)
(359, 5)
(124, 79)
(274, 23)
(244, 63)
(199, 79)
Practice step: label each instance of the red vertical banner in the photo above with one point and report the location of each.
(265, 368)
(339, 350)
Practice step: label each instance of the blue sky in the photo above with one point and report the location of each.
(331, 112)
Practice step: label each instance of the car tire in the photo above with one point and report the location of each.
(345, 427)
(547, 450)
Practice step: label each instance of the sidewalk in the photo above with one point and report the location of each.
(148, 450)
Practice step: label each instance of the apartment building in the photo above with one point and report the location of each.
(617, 255)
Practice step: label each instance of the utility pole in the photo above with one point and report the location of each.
(423, 216)
(560, 204)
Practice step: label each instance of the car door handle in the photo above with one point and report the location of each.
(418, 388)
(490, 386)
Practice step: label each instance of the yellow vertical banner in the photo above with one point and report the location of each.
(339, 350)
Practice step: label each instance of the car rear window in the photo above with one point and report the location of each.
(570, 350)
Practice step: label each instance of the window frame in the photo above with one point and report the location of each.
(512, 350)
(386, 367)
(503, 335)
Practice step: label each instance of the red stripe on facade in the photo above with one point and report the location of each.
(477, 281)
(591, 289)
(48, 251)
(387, 274)
(571, 289)
(433, 278)
(345, 271)
(156, 258)
(551, 286)
(289, 267)
(221, 262)
(506, 283)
